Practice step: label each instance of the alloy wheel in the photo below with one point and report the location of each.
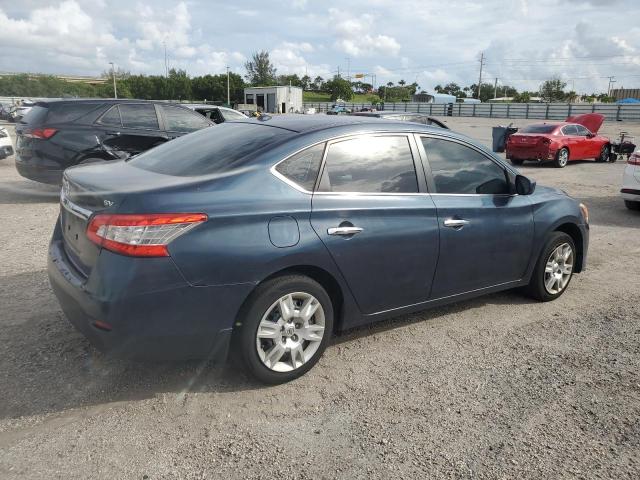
(563, 157)
(558, 269)
(290, 332)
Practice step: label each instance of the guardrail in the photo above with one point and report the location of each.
(541, 111)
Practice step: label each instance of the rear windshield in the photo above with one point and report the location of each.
(66, 112)
(36, 115)
(216, 149)
(538, 128)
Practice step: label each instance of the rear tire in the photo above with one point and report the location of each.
(562, 157)
(631, 205)
(274, 340)
(517, 161)
(554, 268)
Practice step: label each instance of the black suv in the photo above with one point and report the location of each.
(58, 134)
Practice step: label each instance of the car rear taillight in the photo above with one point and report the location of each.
(634, 158)
(42, 133)
(145, 235)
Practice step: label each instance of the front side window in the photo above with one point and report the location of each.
(302, 168)
(139, 116)
(370, 164)
(582, 131)
(182, 120)
(460, 169)
(232, 115)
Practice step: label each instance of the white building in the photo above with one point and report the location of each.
(281, 99)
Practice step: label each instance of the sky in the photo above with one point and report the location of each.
(430, 42)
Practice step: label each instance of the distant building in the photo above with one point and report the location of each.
(622, 93)
(280, 99)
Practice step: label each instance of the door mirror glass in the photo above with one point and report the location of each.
(524, 186)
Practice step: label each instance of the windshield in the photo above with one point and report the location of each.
(212, 150)
(538, 128)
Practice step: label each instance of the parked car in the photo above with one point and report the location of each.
(631, 182)
(5, 109)
(59, 134)
(6, 145)
(338, 110)
(560, 142)
(18, 112)
(403, 117)
(273, 234)
(215, 113)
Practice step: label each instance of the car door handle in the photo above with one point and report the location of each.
(456, 223)
(344, 230)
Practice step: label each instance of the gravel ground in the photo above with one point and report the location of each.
(497, 387)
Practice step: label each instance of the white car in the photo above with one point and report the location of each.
(6, 144)
(631, 182)
(215, 113)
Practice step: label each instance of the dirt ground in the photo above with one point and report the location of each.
(497, 387)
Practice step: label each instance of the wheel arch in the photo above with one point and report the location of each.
(574, 232)
(320, 275)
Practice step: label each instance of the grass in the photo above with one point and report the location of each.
(325, 97)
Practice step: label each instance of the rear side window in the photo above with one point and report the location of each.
(139, 116)
(112, 117)
(302, 168)
(211, 150)
(460, 169)
(538, 128)
(182, 120)
(36, 115)
(370, 165)
(570, 130)
(69, 112)
(231, 115)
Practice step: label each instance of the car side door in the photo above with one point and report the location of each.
(590, 147)
(486, 232)
(374, 215)
(573, 142)
(130, 128)
(179, 121)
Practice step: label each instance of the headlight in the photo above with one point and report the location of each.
(585, 212)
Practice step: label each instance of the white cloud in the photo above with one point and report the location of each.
(355, 35)
(287, 58)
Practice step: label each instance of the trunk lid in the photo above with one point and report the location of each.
(591, 121)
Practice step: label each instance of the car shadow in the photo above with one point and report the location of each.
(46, 366)
(507, 297)
(26, 191)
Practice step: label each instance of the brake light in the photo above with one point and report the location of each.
(141, 235)
(42, 133)
(634, 159)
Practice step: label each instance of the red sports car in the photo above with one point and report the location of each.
(560, 142)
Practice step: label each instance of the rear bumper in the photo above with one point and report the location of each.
(542, 153)
(630, 194)
(39, 173)
(153, 313)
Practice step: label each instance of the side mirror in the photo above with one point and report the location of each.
(590, 135)
(524, 186)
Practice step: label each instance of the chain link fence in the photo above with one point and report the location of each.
(542, 111)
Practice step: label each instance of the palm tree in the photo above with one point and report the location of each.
(402, 83)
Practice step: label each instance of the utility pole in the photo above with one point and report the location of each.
(113, 74)
(611, 80)
(349, 69)
(480, 76)
(228, 96)
(338, 71)
(166, 65)
(495, 89)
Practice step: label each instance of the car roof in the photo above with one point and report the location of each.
(313, 123)
(99, 100)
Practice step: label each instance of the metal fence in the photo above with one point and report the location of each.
(542, 111)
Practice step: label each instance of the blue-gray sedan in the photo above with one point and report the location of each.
(265, 237)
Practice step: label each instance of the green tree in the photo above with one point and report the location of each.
(260, 71)
(553, 90)
(339, 88)
(293, 79)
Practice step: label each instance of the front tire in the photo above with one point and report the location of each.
(554, 268)
(605, 152)
(631, 205)
(283, 329)
(562, 157)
